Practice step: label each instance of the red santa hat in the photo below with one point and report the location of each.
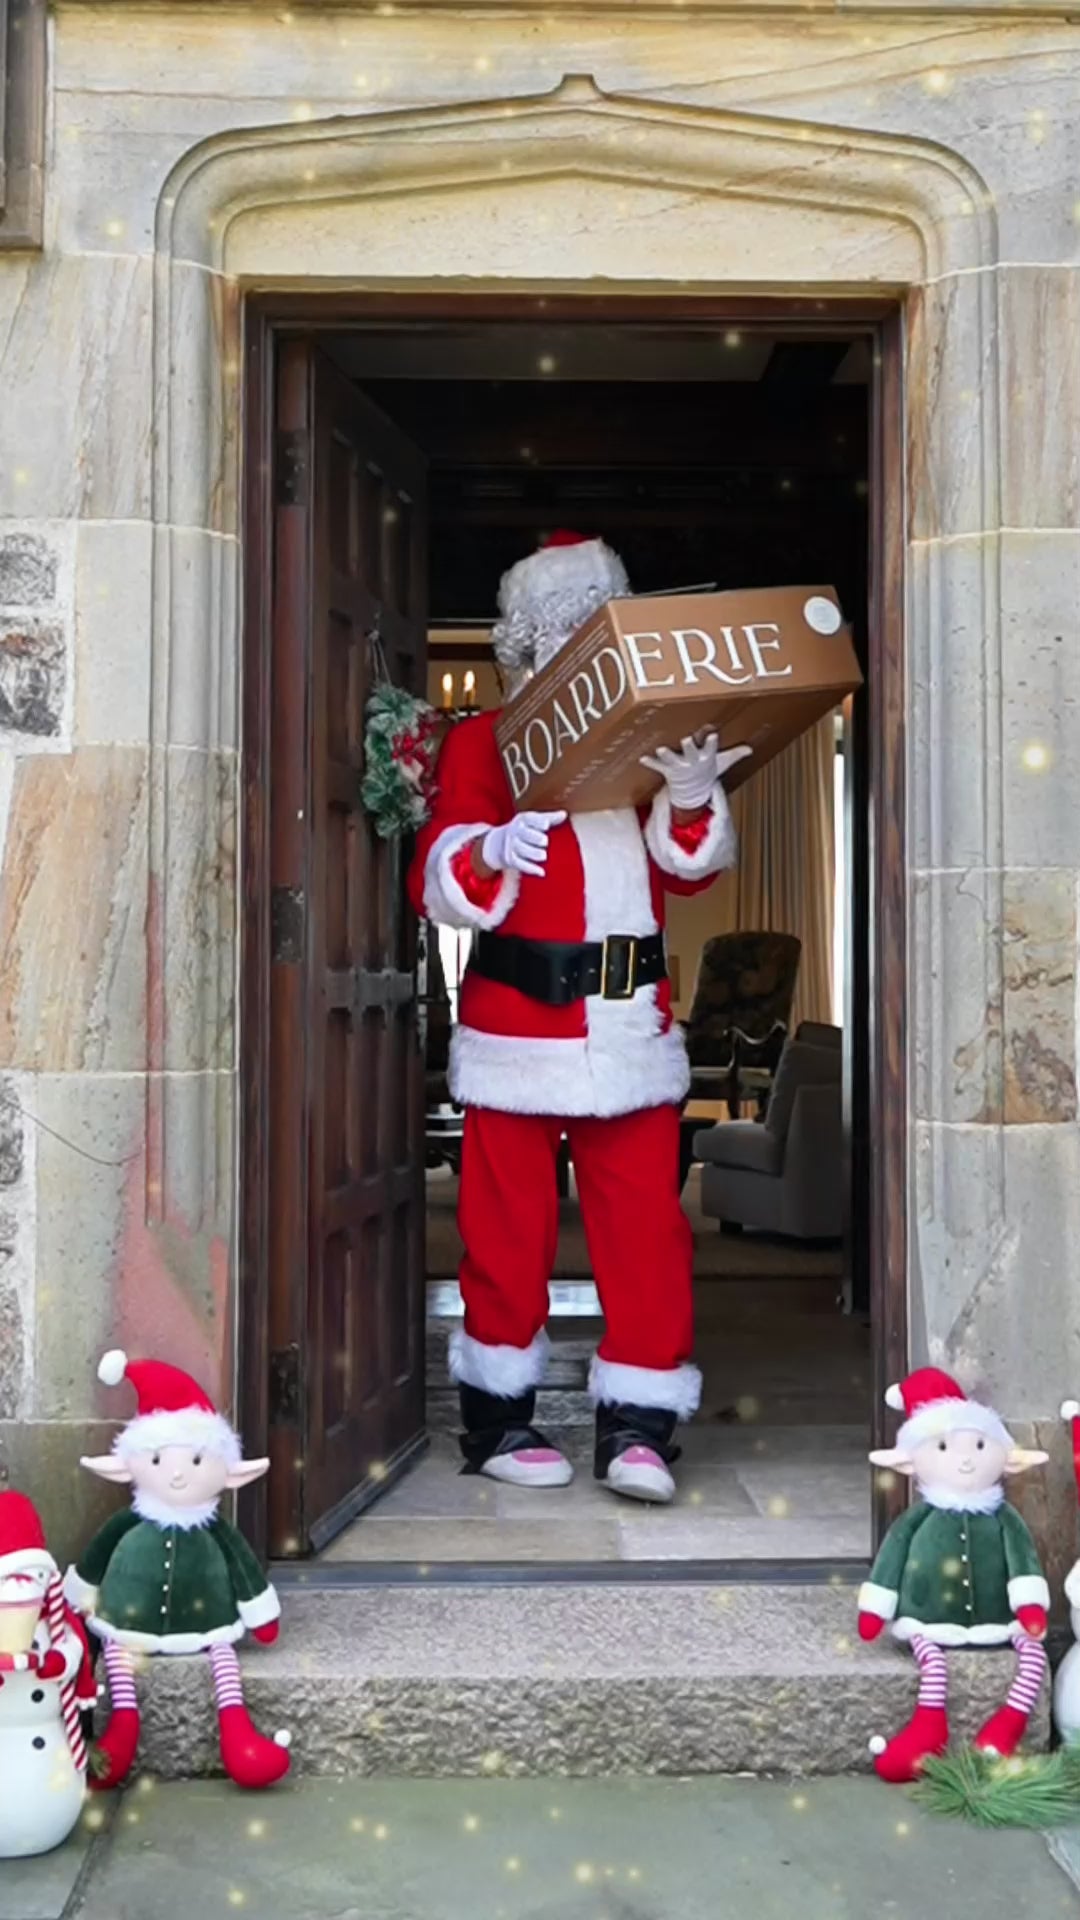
(1070, 1411)
(173, 1410)
(22, 1537)
(544, 598)
(933, 1405)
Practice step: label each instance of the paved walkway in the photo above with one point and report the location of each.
(535, 1850)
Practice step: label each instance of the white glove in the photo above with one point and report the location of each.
(522, 845)
(692, 773)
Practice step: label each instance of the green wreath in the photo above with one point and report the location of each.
(401, 746)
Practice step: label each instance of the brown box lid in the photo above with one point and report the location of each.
(758, 668)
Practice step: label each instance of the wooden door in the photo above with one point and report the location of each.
(346, 1118)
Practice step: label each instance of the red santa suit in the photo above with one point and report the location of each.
(607, 1070)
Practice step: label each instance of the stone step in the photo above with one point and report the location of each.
(450, 1680)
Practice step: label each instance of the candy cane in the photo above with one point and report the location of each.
(69, 1706)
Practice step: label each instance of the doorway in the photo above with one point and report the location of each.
(401, 454)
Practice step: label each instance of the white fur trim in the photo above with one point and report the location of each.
(259, 1612)
(27, 1560)
(894, 1398)
(504, 1371)
(939, 1417)
(1028, 1590)
(112, 1367)
(674, 1389)
(719, 847)
(445, 901)
(880, 1600)
(546, 597)
(1070, 1409)
(951, 1500)
(1072, 1585)
(173, 1519)
(568, 1078)
(171, 1643)
(78, 1593)
(187, 1427)
(946, 1633)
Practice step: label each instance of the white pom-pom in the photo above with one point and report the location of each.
(877, 1744)
(894, 1398)
(112, 1367)
(1070, 1409)
(283, 1738)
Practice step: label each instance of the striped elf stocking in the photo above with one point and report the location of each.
(900, 1759)
(114, 1753)
(247, 1755)
(1005, 1729)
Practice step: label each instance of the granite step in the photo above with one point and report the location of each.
(456, 1681)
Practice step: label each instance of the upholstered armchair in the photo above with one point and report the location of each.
(785, 1175)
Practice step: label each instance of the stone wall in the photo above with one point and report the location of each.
(190, 151)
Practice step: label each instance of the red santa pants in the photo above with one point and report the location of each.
(639, 1239)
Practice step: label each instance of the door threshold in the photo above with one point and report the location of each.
(292, 1576)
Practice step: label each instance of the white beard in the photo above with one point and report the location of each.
(952, 1500)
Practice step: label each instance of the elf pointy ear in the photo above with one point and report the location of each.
(107, 1466)
(1021, 1458)
(245, 1472)
(893, 1459)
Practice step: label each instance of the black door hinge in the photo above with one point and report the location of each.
(285, 1386)
(287, 924)
(291, 467)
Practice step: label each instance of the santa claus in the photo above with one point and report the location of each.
(566, 1029)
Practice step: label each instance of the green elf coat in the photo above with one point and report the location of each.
(954, 1575)
(161, 1587)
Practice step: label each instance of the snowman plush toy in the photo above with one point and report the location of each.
(46, 1681)
(957, 1569)
(169, 1575)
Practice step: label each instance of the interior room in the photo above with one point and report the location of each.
(708, 457)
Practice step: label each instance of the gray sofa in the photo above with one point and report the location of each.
(784, 1174)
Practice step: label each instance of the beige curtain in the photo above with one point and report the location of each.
(786, 873)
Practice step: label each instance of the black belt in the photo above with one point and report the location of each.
(559, 972)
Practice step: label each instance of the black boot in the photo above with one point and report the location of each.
(620, 1428)
(495, 1427)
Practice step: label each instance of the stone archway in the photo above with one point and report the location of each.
(568, 190)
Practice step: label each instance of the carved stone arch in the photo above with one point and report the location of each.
(362, 201)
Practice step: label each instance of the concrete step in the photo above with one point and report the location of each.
(455, 1681)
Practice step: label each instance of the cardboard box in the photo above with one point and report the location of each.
(758, 668)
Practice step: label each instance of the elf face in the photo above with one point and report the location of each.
(179, 1476)
(964, 1463)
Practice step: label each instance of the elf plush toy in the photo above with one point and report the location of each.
(958, 1569)
(566, 1029)
(170, 1576)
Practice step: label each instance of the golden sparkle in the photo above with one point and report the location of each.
(482, 63)
(303, 111)
(382, 1831)
(733, 338)
(357, 1824)
(131, 1817)
(938, 81)
(554, 1813)
(778, 1508)
(547, 363)
(902, 1829)
(256, 1829)
(471, 1823)
(93, 1819)
(378, 1468)
(114, 229)
(1035, 757)
(799, 1802)
(584, 1874)
(748, 1408)
(237, 1897)
(513, 1864)
(492, 1761)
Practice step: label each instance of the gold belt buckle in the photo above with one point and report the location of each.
(630, 942)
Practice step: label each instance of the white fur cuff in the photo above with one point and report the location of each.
(1072, 1585)
(1028, 1590)
(259, 1612)
(78, 1593)
(506, 1372)
(445, 900)
(674, 1389)
(717, 851)
(880, 1600)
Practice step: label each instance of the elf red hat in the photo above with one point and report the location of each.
(933, 1404)
(1070, 1411)
(22, 1537)
(549, 594)
(173, 1409)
